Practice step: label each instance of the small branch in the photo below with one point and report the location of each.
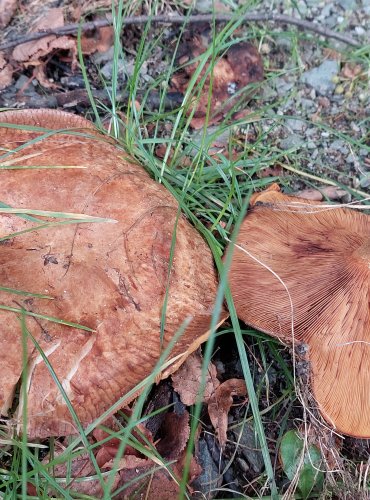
(72, 29)
(79, 97)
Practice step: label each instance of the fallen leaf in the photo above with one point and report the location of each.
(33, 50)
(186, 380)
(220, 403)
(240, 66)
(275, 171)
(157, 484)
(6, 72)
(79, 471)
(329, 192)
(107, 451)
(332, 54)
(175, 430)
(351, 70)
(7, 11)
(100, 41)
(146, 482)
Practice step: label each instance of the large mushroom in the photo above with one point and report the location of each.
(301, 272)
(109, 277)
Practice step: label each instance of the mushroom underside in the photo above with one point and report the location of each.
(301, 273)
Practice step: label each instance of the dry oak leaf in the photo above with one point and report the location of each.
(7, 11)
(220, 403)
(110, 276)
(232, 74)
(186, 380)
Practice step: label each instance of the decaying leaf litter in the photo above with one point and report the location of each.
(338, 158)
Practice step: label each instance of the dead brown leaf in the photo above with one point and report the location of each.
(35, 49)
(6, 72)
(186, 380)
(220, 403)
(332, 54)
(351, 70)
(330, 192)
(108, 450)
(232, 73)
(7, 11)
(37, 53)
(275, 171)
(100, 41)
(158, 484)
(175, 430)
(79, 470)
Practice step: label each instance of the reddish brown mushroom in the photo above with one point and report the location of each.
(110, 277)
(304, 267)
(232, 76)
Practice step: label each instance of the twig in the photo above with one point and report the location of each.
(72, 29)
(79, 97)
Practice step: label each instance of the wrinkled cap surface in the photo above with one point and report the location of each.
(310, 263)
(109, 277)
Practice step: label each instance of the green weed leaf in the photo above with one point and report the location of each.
(306, 461)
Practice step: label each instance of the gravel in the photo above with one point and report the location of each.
(321, 77)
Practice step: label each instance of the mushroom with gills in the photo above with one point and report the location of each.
(301, 273)
(109, 277)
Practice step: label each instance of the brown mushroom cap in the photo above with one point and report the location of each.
(110, 277)
(322, 257)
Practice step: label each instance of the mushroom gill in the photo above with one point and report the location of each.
(301, 268)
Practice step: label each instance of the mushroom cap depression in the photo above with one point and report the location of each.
(109, 277)
(305, 269)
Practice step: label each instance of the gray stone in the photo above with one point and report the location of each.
(103, 57)
(360, 30)
(210, 478)
(284, 42)
(282, 86)
(249, 447)
(320, 78)
(365, 181)
(269, 93)
(339, 145)
(307, 103)
(351, 158)
(292, 141)
(347, 4)
(326, 11)
(295, 125)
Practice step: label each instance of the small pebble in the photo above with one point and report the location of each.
(360, 30)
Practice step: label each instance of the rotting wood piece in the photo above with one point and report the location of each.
(307, 262)
(110, 277)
